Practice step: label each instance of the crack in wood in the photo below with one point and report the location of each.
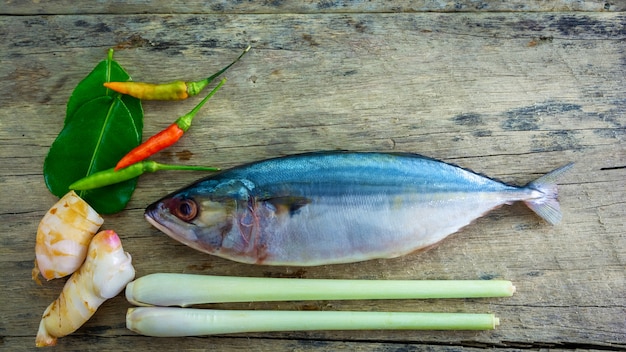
(613, 168)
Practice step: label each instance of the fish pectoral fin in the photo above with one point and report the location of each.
(287, 205)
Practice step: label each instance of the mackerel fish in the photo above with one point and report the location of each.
(337, 207)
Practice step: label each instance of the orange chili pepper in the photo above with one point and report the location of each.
(166, 137)
(177, 90)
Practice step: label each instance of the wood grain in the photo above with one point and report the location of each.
(511, 95)
(306, 6)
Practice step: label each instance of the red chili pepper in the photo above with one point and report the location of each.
(177, 90)
(165, 138)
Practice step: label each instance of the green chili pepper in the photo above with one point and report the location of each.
(177, 90)
(110, 176)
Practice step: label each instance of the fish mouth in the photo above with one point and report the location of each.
(157, 215)
(156, 224)
(151, 214)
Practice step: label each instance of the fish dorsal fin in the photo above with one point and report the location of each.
(287, 205)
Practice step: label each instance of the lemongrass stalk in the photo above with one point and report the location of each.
(183, 290)
(176, 322)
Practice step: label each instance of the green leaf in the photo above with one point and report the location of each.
(99, 129)
(91, 87)
(94, 140)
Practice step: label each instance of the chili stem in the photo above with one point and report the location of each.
(173, 322)
(193, 88)
(184, 122)
(163, 289)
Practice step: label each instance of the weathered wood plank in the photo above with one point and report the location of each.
(308, 6)
(266, 345)
(510, 95)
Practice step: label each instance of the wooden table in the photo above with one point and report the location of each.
(511, 90)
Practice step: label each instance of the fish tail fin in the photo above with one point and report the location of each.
(548, 206)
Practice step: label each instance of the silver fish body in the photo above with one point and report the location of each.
(337, 207)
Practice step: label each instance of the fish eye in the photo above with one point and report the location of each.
(186, 210)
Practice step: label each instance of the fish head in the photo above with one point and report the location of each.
(201, 215)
